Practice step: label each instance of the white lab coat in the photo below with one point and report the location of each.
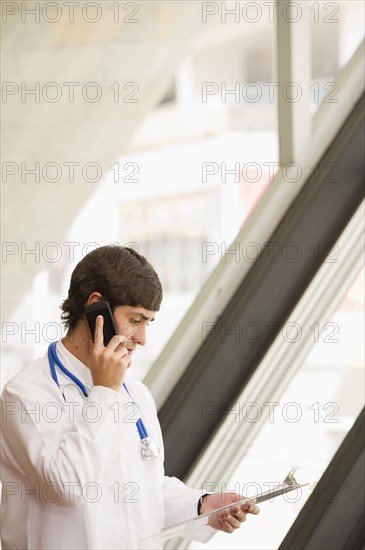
(72, 472)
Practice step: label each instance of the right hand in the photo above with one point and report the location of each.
(108, 363)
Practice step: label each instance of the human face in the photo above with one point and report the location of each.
(132, 322)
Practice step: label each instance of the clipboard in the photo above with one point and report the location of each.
(184, 527)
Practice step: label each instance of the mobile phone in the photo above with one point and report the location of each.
(101, 308)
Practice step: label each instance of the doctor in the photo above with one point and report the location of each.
(81, 446)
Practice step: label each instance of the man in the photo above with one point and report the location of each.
(76, 425)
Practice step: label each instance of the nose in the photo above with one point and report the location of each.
(139, 337)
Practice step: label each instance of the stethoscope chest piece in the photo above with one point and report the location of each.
(149, 449)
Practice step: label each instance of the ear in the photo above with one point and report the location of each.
(94, 297)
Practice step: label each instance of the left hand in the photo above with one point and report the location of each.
(230, 519)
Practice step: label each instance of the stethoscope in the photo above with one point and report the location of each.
(149, 449)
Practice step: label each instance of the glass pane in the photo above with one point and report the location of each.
(337, 30)
(190, 178)
(305, 427)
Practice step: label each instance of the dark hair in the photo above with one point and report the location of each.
(120, 274)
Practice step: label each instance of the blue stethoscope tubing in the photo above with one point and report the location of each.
(55, 360)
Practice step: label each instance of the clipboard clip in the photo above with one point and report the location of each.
(290, 479)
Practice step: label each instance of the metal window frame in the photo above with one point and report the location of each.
(226, 278)
(283, 360)
(218, 371)
(333, 516)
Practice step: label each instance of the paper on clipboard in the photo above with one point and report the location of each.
(186, 527)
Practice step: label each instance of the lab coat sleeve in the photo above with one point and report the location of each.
(59, 457)
(181, 504)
